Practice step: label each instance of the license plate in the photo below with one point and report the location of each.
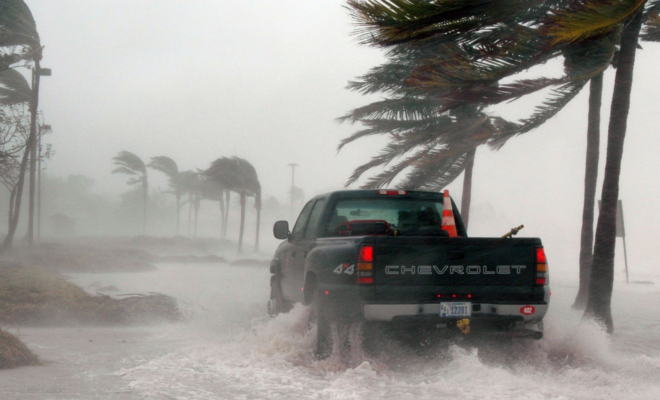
(455, 309)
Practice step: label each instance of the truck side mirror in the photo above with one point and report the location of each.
(281, 230)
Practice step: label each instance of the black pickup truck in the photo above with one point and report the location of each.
(383, 256)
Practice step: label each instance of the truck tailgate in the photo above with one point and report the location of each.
(440, 261)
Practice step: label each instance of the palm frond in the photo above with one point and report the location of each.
(651, 29)
(392, 22)
(590, 18)
(17, 26)
(130, 164)
(165, 165)
(434, 171)
(550, 107)
(405, 108)
(14, 88)
(235, 174)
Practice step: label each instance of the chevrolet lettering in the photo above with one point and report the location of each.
(403, 260)
(454, 269)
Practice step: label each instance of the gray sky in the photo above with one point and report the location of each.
(264, 80)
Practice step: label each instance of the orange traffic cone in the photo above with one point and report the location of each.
(448, 222)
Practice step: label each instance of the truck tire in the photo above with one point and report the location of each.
(276, 304)
(324, 334)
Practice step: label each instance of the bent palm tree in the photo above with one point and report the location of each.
(564, 26)
(14, 89)
(238, 175)
(132, 165)
(169, 167)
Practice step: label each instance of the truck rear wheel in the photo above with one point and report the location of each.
(324, 333)
(276, 304)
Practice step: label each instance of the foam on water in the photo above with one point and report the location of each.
(273, 359)
(232, 350)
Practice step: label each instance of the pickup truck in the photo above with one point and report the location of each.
(383, 256)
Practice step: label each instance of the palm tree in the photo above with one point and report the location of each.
(590, 181)
(238, 175)
(588, 19)
(432, 124)
(132, 165)
(564, 24)
(169, 167)
(602, 268)
(16, 91)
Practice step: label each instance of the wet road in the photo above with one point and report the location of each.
(230, 350)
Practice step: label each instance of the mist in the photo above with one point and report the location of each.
(266, 82)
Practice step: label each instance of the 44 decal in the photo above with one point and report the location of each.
(345, 268)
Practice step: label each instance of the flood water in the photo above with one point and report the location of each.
(230, 349)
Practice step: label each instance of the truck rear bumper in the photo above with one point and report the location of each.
(494, 312)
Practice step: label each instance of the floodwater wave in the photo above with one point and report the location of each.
(230, 349)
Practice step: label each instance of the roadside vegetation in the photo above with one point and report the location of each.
(35, 296)
(14, 353)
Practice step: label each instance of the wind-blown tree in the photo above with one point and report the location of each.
(651, 33)
(19, 41)
(602, 269)
(133, 166)
(189, 183)
(238, 175)
(169, 167)
(562, 25)
(436, 102)
(15, 91)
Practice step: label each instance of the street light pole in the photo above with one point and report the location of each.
(293, 169)
(37, 73)
(42, 128)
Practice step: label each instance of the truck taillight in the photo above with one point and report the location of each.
(365, 265)
(392, 192)
(541, 267)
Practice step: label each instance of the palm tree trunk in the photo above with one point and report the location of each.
(221, 204)
(590, 180)
(240, 234)
(599, 299)
(178, 214)
(12, 198)
(197, 203)
(33, 186)
(258, 207)
(190, 205)
(145, 197)
(224, 233)
(467, 187)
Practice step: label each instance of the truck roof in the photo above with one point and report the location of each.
(357, 193)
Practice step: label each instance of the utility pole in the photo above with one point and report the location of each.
(42, 129)
(293, 169)
(37, 73)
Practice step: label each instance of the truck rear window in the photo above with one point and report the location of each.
(404, 217)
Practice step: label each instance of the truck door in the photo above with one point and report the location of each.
(290, 288)
(305, 245)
